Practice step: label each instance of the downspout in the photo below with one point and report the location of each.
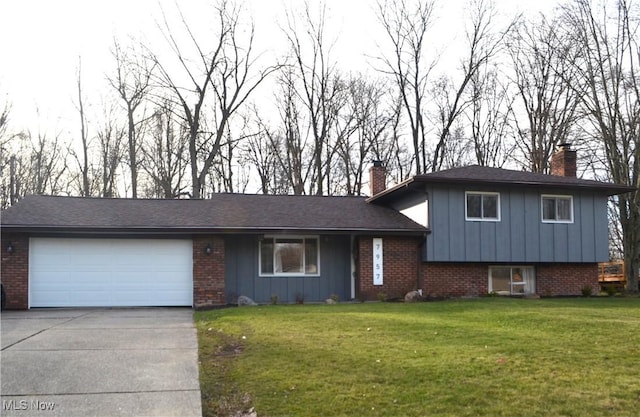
(353, 267)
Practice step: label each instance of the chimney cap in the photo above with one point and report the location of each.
(565, 146)
(377, 163)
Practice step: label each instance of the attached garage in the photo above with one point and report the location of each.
(78, 272)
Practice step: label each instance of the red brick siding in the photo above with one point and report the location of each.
(15, 271)
(566, 279)
(454, 279)
(400, 267)
(470, 279)
(208, 272)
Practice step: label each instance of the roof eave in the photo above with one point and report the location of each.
(609, 189)
(198, 230)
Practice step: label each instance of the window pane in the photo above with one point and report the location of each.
(530, 280)
(266, 256)
(490, 206)
(473, 205)
(517, 281)
(564, 209)
(311, 256)
(501, 280)
(548, 208)
(289, 256)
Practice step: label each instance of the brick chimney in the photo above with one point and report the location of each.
(563, 162)
(377, 178)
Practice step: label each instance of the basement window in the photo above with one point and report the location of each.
(512, 280)
(289, 256)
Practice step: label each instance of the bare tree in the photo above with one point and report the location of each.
(7, 160)
(367, 125)
(287, 143)
(319, 87)
(83, 159)
(542, 62)
(261, 151)
(450, 98)
(110, 137)
(228, 71)
(608, 40)
(406, 29)
(489, 114)
(40, 164)
(132, 82)
(165, 154)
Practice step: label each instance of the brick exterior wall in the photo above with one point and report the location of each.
(208, 272)
(566, 279)
(454, 279)
(472, 279)
(400, 267)
(15, 271)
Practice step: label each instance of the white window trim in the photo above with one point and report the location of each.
(555, 196)
(482, 219)
(511, 267)
(288, 274)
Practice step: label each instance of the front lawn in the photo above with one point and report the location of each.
(486, 357)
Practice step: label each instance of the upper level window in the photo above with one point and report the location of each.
(482, 206)
(557, 208)
(289, 255)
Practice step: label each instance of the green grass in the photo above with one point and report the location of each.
(485, 357)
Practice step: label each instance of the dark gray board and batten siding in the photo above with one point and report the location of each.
(520, 236)
(242, 276)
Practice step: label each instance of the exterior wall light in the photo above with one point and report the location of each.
(10, 248)
(208, 249)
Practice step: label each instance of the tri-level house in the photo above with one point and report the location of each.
(461, 232)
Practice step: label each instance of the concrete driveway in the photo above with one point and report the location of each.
(99, 362)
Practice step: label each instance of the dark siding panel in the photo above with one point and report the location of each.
(472, 244)
(230, 265)
(601, 229)
(242, 275)
(547, 248)
(560, 242)
(488, 241)
(588, 237)
(455, 214)
(440, 242)
(278, 288)
(533, 225)
(580, 223)
(503, 237)
(520, 236)
(517, 228)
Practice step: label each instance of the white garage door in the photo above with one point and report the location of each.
(110, 272)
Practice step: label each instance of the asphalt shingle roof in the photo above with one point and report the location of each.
(222, 213)
(475, 174)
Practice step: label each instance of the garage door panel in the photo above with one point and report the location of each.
(110, 272)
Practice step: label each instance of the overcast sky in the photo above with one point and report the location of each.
(42, 40)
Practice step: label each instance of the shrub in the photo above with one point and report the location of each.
(274, 299)
(335, 297)
(382, 296)
(587, 291)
